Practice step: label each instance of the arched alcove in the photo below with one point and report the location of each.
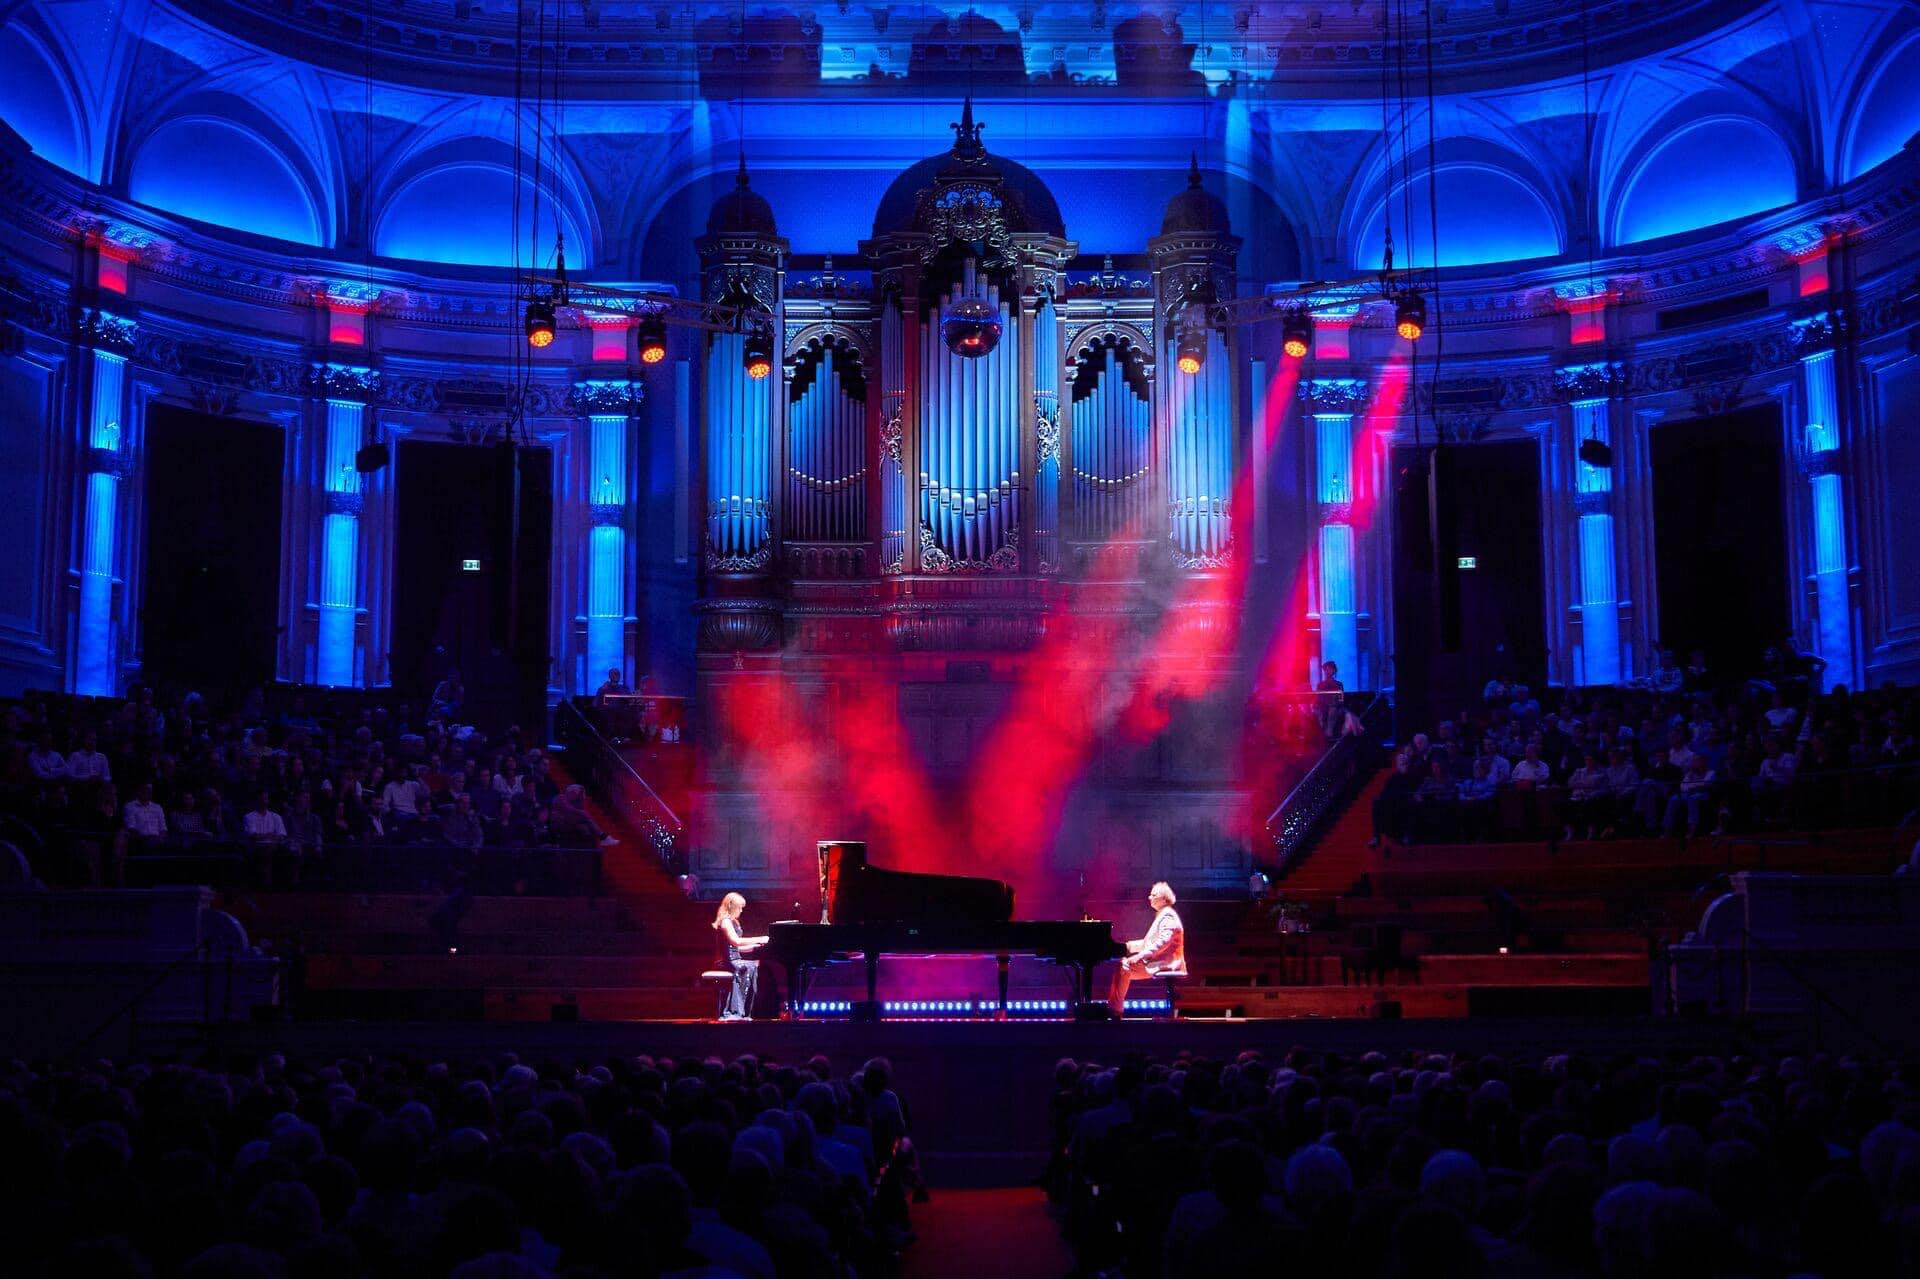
(464, 213)
(1487, 214)
(1704, 173)
(36, 104)
(1888, 112)
(217, 171)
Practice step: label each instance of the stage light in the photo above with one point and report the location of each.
(371, 458)
(1297, 334)
(758, 356)
(971, 327)
(653, 340)
(1191, 348)
(539, 323)
(1596, 452)
(1410, 316)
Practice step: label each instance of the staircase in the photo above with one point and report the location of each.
(1342, 854)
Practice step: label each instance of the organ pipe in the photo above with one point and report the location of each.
(740, 453)
(969, 433)
(1111, 456)
(826, 472)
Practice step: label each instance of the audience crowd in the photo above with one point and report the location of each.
(302, 781)
(499, 1169)
(1681, 755)
(1415, 1166)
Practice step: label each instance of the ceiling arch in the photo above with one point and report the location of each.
(1704, 173)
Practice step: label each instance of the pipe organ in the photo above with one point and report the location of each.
(1200, 451)
(826, 499)
(969, 437)
(1112, 451)
(739, 457)
(915, 501)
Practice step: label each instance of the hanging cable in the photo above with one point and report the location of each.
(1433, 226)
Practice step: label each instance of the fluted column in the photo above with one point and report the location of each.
(1334, 600)
(1821, 462)
(607, 406)
(109, 460)
(335, 664)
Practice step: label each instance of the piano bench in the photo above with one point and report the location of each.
(720, 981)
(1171, 983)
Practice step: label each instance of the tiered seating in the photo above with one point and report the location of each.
(1411, 1163)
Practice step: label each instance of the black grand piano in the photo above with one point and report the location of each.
(867, 911)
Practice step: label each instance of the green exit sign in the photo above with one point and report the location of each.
(1468, 561)
(469, 566)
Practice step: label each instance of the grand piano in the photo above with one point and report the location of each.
(867, 911)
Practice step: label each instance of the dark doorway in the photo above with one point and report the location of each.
(210, 586)
(1719, 537)
(1469, 596)
(471, 567)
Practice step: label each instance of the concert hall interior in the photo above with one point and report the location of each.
(1254, 551)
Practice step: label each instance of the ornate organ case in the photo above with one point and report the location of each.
(887, 512)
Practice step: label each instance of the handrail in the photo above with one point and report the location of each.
(1308, 778)
(664, 835)
(1299, 818)
(615, 757)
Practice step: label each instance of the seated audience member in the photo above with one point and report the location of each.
(185, 822)
(1689, 804)
(1588, 796)
(306, 834)
(449, 695)
(145, 819)
(87, 764)
(1532, 771)
(460, 827)
(262, 825)
(1499, 769)
(571, 824)
(403, 798)
(46, 763)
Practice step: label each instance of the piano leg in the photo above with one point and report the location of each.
(1001, 962)
(870, 1011)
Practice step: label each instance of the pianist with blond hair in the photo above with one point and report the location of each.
(746, 972)
(1163, 950)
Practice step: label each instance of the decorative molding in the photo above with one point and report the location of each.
(1600, 379)
(1816, 332)
(344, 382)
(345, 501)
(607, 514)
(755, 562)
(735, 625)
(891, 430)
(934, 559)
(1334, 394)
(1046, 436)
(605, 396)
(107, 331)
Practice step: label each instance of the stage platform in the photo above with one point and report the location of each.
(978, 1090)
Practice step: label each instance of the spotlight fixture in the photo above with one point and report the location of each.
(1596, 452)
(971, 327)
(758, 355)
(539, 322)
(371, 458)
(1297, 333)
(653, 340)
(1190, 348)
(1410, 316)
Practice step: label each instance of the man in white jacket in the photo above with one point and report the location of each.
(1162, 950)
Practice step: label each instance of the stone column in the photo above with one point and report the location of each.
(608, 406)
(109, 453)
(1822, 462)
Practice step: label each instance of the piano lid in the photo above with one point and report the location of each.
(853, 891)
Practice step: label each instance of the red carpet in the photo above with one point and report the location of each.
(964, 1234)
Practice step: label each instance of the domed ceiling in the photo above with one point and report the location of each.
(399, 139)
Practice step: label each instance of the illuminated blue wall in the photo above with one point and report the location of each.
(1487, 215)
(1703, 174)
(463, 213)
(225, 174)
